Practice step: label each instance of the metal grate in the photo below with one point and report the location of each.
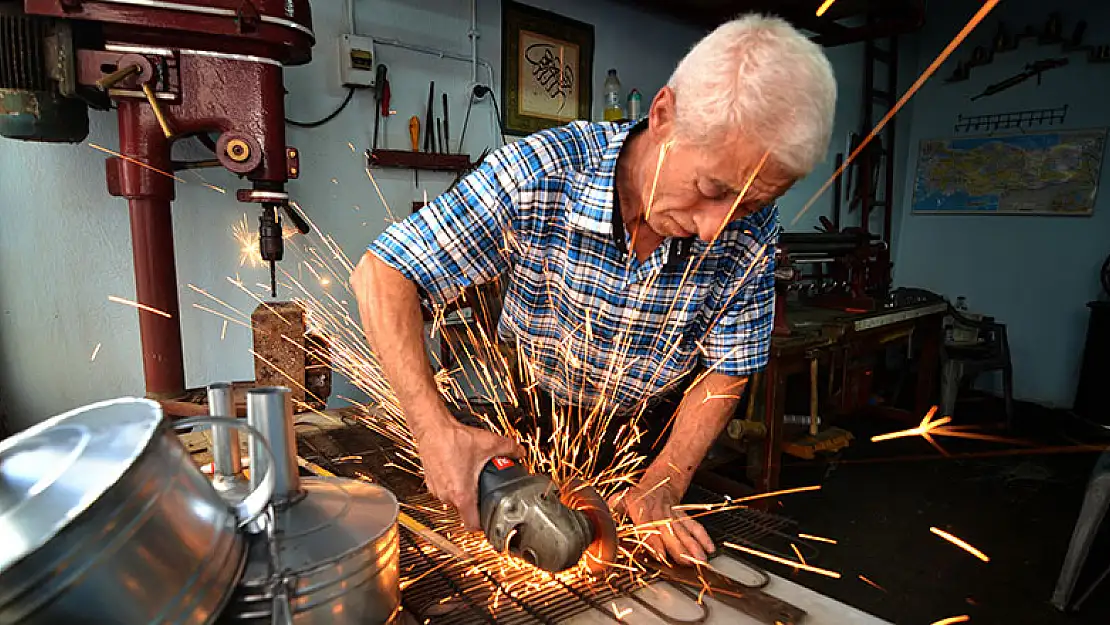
(449, 591)
(752, 528)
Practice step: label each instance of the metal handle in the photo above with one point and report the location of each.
(254, 504)
(111, 80)
(158, 113)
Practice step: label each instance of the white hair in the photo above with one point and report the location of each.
(758, 78)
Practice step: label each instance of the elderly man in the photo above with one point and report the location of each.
(656, 236)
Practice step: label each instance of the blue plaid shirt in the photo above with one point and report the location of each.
(597, 327)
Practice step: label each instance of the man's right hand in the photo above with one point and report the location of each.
(453, 458)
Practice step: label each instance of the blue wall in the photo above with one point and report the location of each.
(1034, 273)
(64, 243)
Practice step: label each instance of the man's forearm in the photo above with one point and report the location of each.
(701, 416)
(390, 310)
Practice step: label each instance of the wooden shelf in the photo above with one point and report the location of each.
(428, 161)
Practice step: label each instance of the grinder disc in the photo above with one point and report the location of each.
(580, 496)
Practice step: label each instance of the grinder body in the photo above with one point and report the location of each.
(524, 514)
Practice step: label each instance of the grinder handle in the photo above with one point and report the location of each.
(497, 473)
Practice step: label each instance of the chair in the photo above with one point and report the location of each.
(962, 362)
(1095, 504)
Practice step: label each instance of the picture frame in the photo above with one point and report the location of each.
(547, 65)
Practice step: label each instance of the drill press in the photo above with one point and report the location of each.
(209, 69)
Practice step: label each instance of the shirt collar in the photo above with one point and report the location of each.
(592, 210)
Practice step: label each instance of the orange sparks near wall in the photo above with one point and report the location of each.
(960, 543)
(927, 426)
(149, 309)
(979, 16)
(963, 618)
(824, 7)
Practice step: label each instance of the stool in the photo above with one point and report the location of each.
(960, 363)
(1095, 504)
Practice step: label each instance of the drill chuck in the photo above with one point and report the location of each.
(271, 245)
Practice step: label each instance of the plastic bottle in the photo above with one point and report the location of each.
(612, 97)
(634, 102)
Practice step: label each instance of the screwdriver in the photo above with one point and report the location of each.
(414, 139)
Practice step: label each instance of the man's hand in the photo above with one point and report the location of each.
(668, 533)
(453, 457)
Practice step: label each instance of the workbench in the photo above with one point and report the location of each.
(841, 342)
(820, 609)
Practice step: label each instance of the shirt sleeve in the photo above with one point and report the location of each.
(461, 238)
(739, 343)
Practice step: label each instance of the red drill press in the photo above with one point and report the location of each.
(209, 69)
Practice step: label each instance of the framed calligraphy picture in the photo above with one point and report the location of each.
(547, 65)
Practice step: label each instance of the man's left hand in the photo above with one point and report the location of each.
(668, 533)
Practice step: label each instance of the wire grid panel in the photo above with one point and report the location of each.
(447, 590)
(749, 527)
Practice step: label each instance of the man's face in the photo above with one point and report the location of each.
(698, 186)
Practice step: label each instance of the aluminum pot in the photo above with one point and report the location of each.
(105, 519)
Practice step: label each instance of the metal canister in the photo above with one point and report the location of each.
(331, 551)
(333, 557)
(107, 520)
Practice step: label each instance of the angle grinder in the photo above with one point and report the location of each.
(531, 518)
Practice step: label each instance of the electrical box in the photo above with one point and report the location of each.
(356, 61)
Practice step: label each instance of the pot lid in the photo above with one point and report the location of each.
(52, 472)
(337, 518)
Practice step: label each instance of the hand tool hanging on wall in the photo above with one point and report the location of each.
(380, 87)
(446, 127)
(439, 135)
(429, 121)
(414, 140)
(1032, 70)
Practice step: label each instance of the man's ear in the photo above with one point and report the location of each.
(661, 116)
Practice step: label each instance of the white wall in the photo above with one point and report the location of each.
(64, 243)
(1035, 274)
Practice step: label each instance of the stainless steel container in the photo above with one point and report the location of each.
(331, 554)
(105, 519)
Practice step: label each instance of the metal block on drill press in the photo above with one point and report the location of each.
(279, 345)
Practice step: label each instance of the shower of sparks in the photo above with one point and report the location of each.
(927, 425)
(566, 453)
(871, 583)
(960, 543)
(149, 309)
(250, 254)
(206, 183)
(963, 618)
(774, 558)
(928, 428)
(979, 16)
(819, 539)
(824, 7)
(96, 350)
(223, 330)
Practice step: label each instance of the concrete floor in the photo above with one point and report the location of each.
(879, 500)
